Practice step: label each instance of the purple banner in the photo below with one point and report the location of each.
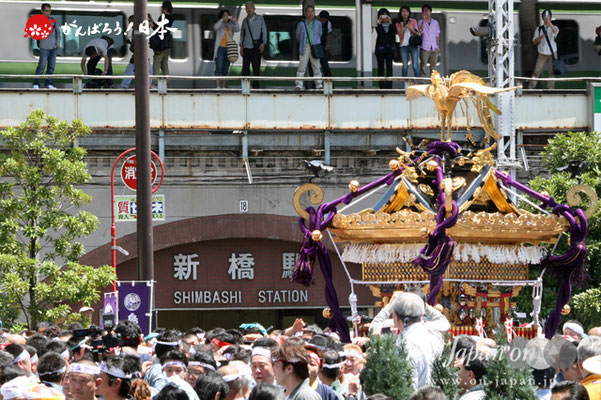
(134, 303)
(110, 307)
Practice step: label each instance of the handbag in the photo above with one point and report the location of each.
(396, 55)
(317, 50)
(597, 45)
(232, 48)
(415, 40)
(559, 67)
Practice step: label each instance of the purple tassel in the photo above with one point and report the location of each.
(568, 263)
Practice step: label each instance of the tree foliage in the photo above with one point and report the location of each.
(387, 369)
(504, 381)
(41, 222)
(574, 147)
(587, 307)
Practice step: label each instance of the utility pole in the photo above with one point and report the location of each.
(143, 155)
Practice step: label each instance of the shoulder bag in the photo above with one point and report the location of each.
(559, 67)
(317, 50)
(256, 43)
(415, 40)
(232, 48)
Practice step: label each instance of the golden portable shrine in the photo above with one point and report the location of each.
(447, 223)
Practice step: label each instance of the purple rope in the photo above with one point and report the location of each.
(435, 256)
(564, 265)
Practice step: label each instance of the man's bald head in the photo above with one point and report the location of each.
(18, 339)
(596, 331)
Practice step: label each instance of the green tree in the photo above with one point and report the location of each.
(560, 151)
(387, 369)
(505, 380)
(587, 307)
(41, 222)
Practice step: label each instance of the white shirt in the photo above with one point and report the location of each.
(543, 47)
(100, 44)
(423, 345)
(406, 36)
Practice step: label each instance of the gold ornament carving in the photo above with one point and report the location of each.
(574, 200)
(315, 198)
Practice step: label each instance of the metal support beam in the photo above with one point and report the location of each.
(501, 66)
(162, 144)
(326, 145)
(143, 142)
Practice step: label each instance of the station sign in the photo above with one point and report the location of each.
(235, 273)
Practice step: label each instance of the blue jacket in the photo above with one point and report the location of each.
(301, 34)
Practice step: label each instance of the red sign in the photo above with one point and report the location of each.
(129, 174)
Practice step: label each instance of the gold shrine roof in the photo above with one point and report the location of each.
(407, 226)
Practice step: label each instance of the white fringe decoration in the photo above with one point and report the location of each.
(464, 252)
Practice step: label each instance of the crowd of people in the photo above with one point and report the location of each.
(302, 362)
(404, 39)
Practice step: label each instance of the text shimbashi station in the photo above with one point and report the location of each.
(220, 276)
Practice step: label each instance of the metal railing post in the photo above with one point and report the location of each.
(245, 86)
(162, 86)
(77, 85)
(328, 87)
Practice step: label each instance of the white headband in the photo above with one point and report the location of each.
(175, 363)
(332, 366)
(84, 369)
(21, 356)
(228, 356)
(575, 327)
(168, 343)
(261, 351)
(58, 371)
(230, 378)
(353, 353)
(34, 358)
(201, 364)
(116, 372)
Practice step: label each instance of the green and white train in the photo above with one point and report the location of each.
(192, 53)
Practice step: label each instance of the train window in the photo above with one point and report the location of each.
(208, 35)
(283, 46)
(84, 26)
(483, 44)
(179, 49)
(341, 39)
(568, 41)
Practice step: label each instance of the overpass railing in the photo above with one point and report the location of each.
(332, 109)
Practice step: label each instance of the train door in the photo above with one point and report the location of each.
(206, 66)
(180, 60)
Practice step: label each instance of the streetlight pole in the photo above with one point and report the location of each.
(144, 184)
